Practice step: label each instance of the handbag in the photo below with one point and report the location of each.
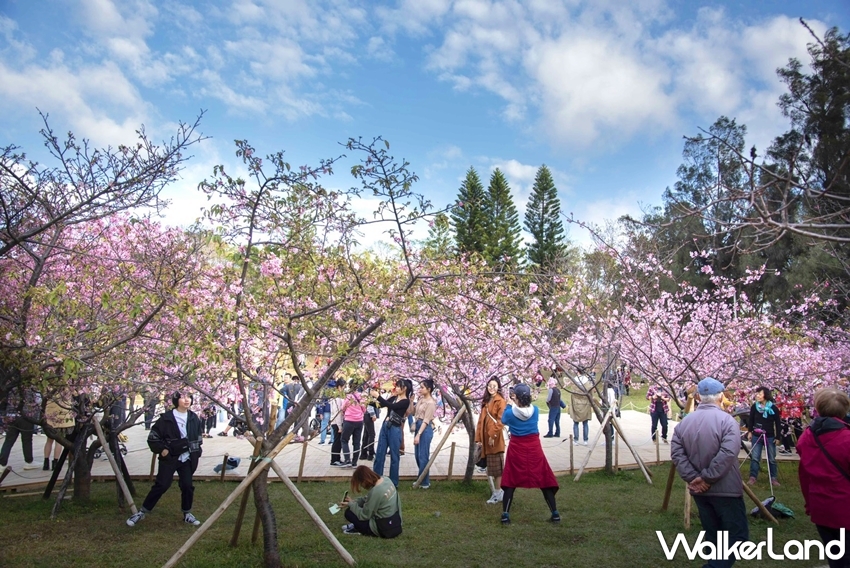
(390, 527)
(394, 418)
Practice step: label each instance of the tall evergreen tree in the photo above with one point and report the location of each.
(543, 220)
(503, 230)
(439, 244)
(468, 217)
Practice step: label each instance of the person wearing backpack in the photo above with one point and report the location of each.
(824, 472)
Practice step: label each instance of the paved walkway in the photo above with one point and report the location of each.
(559, 452)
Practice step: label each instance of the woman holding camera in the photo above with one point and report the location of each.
(176, 438)
(390, 436)
(378, 513)
(764, 425)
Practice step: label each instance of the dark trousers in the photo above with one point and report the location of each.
(554, 422)
(659, 415)
(367, 447)
(25, 430)
(548, 496)
(723, 514)
(351, 431)
(164, 477)
(362, 527)
(336, 446)
(828, 534)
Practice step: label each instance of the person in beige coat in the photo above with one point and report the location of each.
(580, 409)
(488, 433)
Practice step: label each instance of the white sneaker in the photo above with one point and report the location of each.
(496, 497)
(134, 520)
(576, 443)
(584, 443)
(190, 519)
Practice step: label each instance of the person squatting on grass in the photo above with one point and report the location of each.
(489, 435)
(390, 436)
(378, 513)
(824, 450)
(525, 464)
(704, 449)
(426, 407)
(176, 438)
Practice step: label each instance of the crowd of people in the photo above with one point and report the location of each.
(705, 445)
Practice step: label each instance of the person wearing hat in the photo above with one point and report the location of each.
(176, 438)
(525, 463)
(704, 449)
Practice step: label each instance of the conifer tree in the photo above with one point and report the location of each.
(468, 217)
(439, 244)
(543, 220)
(503, 230)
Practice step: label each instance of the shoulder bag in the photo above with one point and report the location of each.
(390, 527)
(829, 457)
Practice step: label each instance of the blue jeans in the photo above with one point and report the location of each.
(755, 456)
(281, 414)
(390, 437)
(585, 428)
(554, 421)
(723, 514)
(423, 451)
(326, 418)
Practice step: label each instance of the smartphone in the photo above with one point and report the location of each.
(344, 495)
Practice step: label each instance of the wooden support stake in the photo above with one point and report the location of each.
(635, 454)
(118, 475)
(255, 534)
(313, 515)
(670, 478)
(439, 447)
(153, 467)
(5, 474)
(303, 458)
(224, 466)
(245, 484)
(593, 445)
(571, 453)
(657, 449)
(258, 446)
(687, 508)
(759, 504)
(616, 450)
(451, 461)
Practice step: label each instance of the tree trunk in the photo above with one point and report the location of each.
(271, 548)
(609, 447)
(470, 430)
(82, 472)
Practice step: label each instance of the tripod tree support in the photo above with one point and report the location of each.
(119, 477)
(245, 484)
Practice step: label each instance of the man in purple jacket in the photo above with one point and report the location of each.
(705, 450)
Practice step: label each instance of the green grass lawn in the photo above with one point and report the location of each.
(608, 520)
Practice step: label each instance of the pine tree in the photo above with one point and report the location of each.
(503, 230)
(543, 220)
(439, 244)
(468, 217)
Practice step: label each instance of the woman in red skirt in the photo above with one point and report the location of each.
(525, 463)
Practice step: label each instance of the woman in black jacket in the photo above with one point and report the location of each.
(390, 436)
(176, 438)
(764, 426)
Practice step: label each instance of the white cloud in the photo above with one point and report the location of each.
(95, 102)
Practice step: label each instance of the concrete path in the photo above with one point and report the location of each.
(635, 424)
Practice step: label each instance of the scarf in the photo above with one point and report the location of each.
(765, 408)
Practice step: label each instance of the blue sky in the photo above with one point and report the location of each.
(600, 91)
